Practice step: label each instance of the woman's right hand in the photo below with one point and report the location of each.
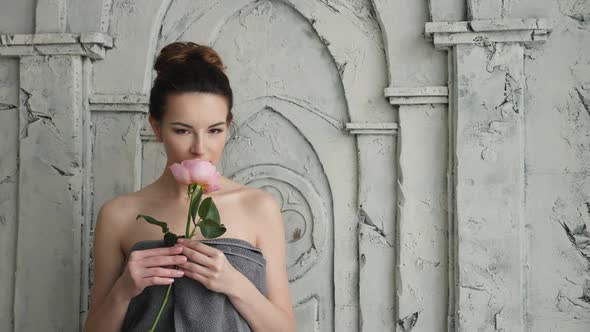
(150, 267)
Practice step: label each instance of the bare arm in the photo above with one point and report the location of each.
(108, 315)
(115, 283)
(274, 312)
(107, 300)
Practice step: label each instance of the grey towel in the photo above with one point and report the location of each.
(191, 306)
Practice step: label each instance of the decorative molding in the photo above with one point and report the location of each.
(296, 196)
(474, 158)
(119, 103)
(372, 128)
(147, 134)
(416, 96)
(90, 44)
(310, 309)
(445, 34)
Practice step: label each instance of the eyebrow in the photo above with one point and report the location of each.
(189, 126)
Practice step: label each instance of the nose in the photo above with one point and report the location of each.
(198, 146)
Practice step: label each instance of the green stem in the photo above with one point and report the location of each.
(188, 224)
(153, 329)
(187, 233)
(195, 229)
(196, 189)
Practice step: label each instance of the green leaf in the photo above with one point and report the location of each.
(170, 239)
(195, 203)
(153, 221)
(208, 211)
(211, 229)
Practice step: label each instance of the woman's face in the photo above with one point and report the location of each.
(193, 126)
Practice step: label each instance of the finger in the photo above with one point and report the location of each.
(196, 268)
(197, 257)
(142, 254)
(162, 272)
(196, 276)
(200, 246)
(163, 261)
(159, 281)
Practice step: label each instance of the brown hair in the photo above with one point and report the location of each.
(188, 67)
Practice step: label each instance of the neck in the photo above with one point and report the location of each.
(169, 187)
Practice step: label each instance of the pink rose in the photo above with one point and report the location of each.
(197, 171)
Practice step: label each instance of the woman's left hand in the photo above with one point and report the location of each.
(207, 265)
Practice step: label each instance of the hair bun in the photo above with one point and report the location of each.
(179, 53)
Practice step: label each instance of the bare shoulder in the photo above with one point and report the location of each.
(254, 200)
(119, 208)
(115, 214)
(263, 209)
(259, 202)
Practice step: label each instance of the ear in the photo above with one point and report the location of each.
(230, 130)
(156, 127)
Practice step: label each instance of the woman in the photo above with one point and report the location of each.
(190, 112)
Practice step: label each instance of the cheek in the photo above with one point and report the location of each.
(217, 145)
(175, 144)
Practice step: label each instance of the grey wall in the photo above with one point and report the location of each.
(445, 184)
(557, 163)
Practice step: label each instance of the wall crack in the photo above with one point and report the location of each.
(365, 219)
(6, 107)
(580, 238)
(583, 100)
(407, 323)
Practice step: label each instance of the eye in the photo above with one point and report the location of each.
(216, 131)
(180, 131)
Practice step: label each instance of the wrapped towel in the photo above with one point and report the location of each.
(191, 306)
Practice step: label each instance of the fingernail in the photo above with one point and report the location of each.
(180, 273)
(170, 280)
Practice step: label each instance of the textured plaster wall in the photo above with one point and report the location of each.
(557, 161)
(16, 16)
(9, 114)
(412, 61)
(383, 244)
(422, 258)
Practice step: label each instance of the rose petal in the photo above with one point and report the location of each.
(201, 171)
(181, 173)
